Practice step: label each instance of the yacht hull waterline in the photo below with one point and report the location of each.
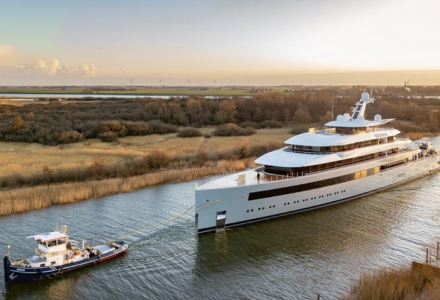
(349, 159)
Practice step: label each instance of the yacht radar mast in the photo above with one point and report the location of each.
(359, 110)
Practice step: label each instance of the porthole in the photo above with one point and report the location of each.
(248, 210)
(259, 208)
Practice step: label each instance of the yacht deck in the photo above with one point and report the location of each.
(249, 177)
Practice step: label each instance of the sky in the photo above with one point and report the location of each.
(223, 42)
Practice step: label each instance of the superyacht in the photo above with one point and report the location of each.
(350, 158)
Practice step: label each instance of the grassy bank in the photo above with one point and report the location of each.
(38, 197)
(35, 176)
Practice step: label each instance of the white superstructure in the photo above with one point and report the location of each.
(351, 157)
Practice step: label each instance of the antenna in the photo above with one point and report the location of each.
(333, 104)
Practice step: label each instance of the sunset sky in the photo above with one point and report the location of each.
(239, 42)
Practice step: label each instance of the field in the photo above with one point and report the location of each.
(26, 162)
(136, 90)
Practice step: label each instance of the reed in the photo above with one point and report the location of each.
(418, 135)
(391, 284)
(38, 197)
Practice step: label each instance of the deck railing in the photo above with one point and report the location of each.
(251, 174)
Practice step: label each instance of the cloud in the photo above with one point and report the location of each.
(51, 68)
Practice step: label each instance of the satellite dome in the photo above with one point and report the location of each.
(377, 118)
(365, 96)
(346, 117)
(339, 118)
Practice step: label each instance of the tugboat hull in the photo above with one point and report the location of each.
(24, 273)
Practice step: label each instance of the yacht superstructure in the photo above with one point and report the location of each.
(350, 158)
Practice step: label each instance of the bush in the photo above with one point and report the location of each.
(189, 132)
(251, 124)
(108, 137)
(160, 127)
(271, 124)
(157, 159)
(231, 129)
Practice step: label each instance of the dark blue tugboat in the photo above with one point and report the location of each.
(56, 254)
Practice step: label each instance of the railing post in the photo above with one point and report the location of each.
(427, 255)
(438, 245)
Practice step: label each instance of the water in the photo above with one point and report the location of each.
(294, 257)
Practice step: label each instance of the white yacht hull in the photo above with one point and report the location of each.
(224, 207)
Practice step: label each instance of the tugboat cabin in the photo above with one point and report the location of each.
(51, 242)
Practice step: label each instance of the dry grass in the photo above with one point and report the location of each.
(27, 160)
(25, 199)
(398, 284)
(418, 135)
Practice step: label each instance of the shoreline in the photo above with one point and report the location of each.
(25, 199)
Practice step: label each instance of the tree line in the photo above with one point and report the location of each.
(61, 122)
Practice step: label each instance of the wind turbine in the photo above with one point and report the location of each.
(131, 80)
(406, 86)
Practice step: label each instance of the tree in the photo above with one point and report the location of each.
(227, 112)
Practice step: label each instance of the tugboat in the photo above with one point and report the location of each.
(56, 254)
